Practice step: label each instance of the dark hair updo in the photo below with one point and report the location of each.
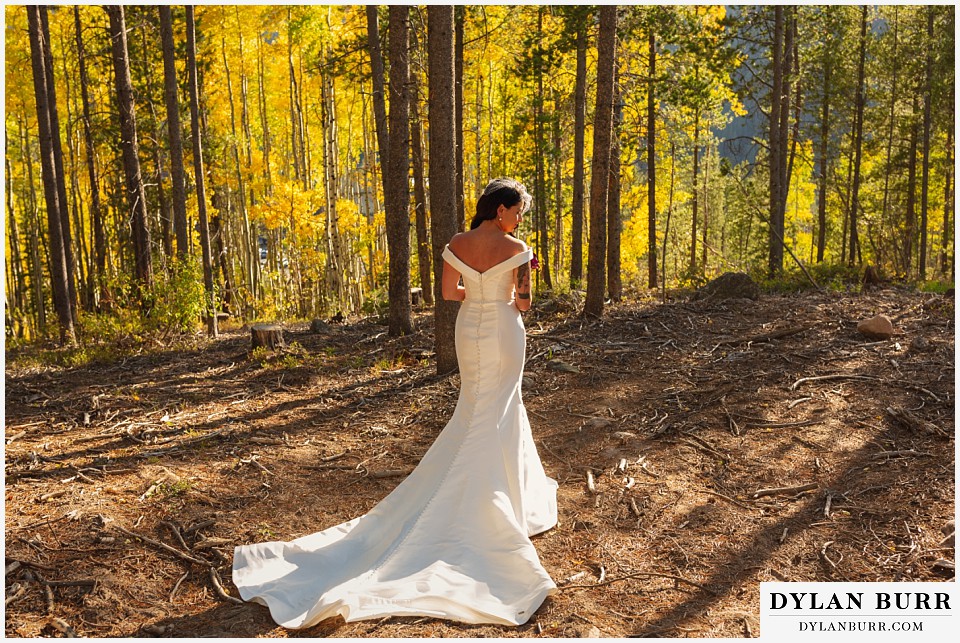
(505, 192)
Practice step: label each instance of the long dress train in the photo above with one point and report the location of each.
(452, 540)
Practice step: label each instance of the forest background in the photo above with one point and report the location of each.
(296, 162)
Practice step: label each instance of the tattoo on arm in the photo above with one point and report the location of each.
(523, 281)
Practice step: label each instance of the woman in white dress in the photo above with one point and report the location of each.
(452, 540)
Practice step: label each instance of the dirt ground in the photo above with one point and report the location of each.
(682, 412)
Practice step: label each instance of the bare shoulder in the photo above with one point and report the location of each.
(516, 245)
(457, 241)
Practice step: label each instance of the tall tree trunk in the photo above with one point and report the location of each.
(443, 201)
(336, 255)
(48, 168)
(540, 194)
(946, 249)
(797, 107)
(58, 160)
(695, 200)
(19, 287)
(666, 227)
(775, 257)
(98, 276)
(458, 108)
(925, 176)
(599, 180)
(154, 178)
(264, 123)
(396, 176)
(706, 214)
(136, 198)
(579, 126)
(895, 58)
(419, 184)
(295, 150)
(557, 147)
(910, 225)
(379, 95)
(199, 177)
(33, 226)
(824, 159)
(854, 248)
(790, 19)
(652, 281)
(614, 222)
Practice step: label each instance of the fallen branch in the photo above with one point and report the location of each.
(914, 307)
(389, 473)
(16, 436)
(83, 582)
(728, 499)
(173, 592)
(679, 579)
(164, 546)
(222, 593)
(837, 376)
(176, 532)
(192, 529)
(63, 626)
(52, 495)
(591, 485)
(777, 334)
(781, 490)
(781, 425)
(913, 422)
(701, 444)
(13, 596)
(900, 454)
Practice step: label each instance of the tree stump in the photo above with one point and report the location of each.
(416, 296)
(266, 335)
(729, 285)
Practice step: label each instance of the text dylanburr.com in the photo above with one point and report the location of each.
(906, 611)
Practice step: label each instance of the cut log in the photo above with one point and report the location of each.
(266, 335)
(416, 296)
(914, 422)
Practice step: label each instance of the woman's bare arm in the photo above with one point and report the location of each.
(450, 284)
(523, 287)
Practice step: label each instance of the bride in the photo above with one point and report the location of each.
(453, 539)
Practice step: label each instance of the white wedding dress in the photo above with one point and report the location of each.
(453, 539)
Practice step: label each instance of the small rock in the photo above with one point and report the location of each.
(920, 344)
(597, 423)
(948, 530)
(558, 365)
(526, 383)
(157, 629)
(879, 327)
(319, 326)
(624, 435)
(586, 632)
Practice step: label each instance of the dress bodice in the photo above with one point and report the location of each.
(494, 283)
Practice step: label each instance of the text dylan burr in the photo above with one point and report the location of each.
(855, 600)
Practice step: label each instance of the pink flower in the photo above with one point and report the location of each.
(534, 262)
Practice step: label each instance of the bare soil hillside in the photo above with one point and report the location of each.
(728, 443)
